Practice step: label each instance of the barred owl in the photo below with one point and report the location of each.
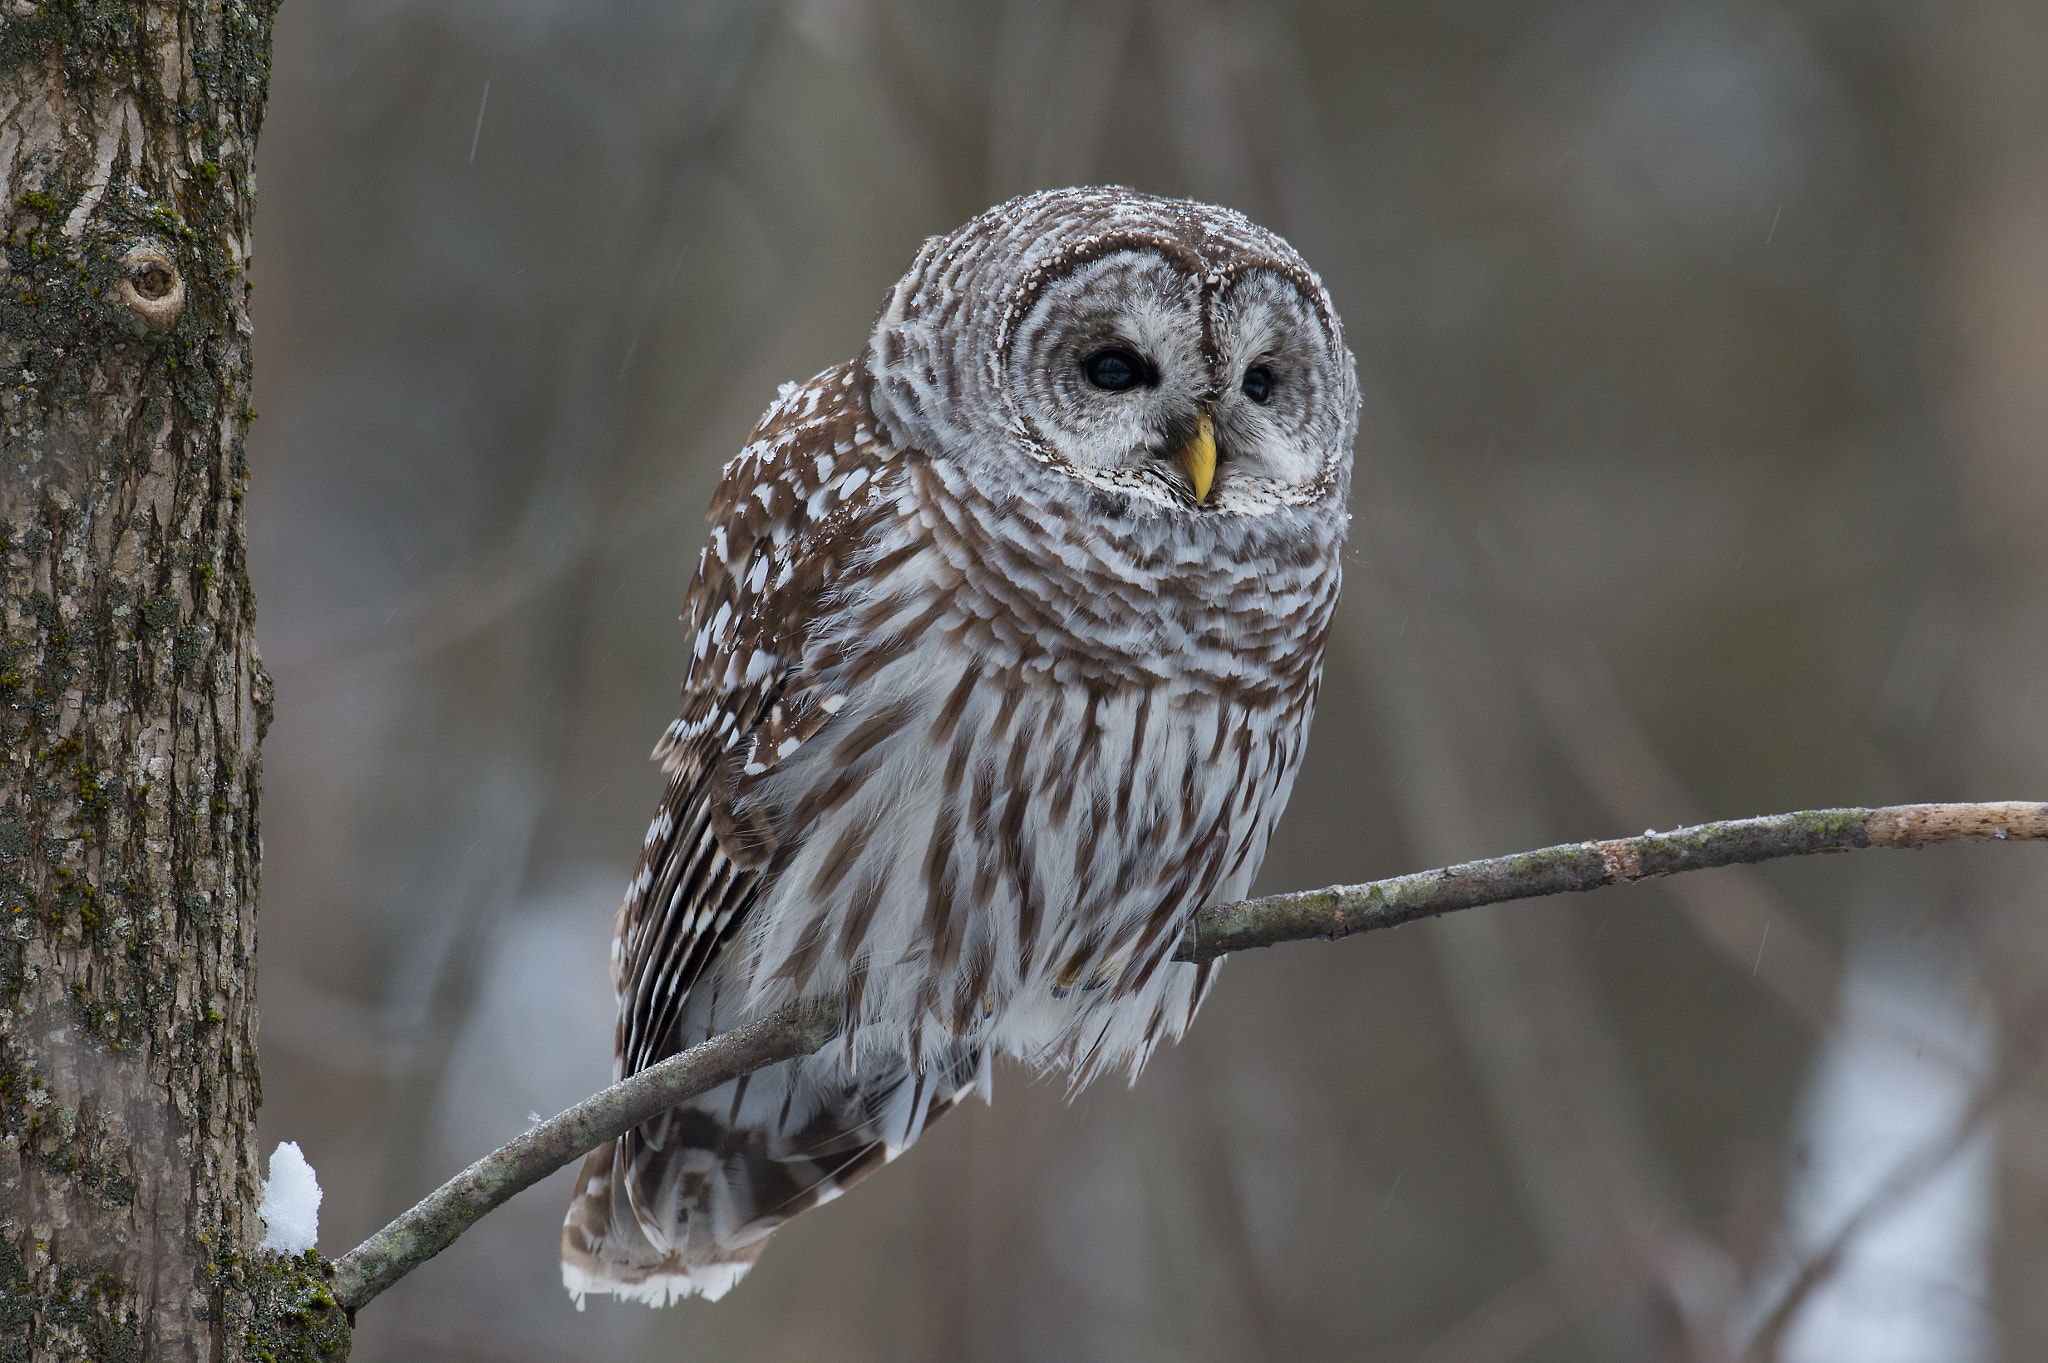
(1006, 642)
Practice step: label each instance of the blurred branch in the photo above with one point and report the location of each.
(1905, 1180)
(1542, 1304)
(1911, 1174)
(434, 1223)
(1222, 1210)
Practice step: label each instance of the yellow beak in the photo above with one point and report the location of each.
(1198, 457)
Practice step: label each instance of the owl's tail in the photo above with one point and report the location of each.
(683, 1205)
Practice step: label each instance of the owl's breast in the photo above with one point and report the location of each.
(978, 849)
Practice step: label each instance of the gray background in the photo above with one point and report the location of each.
(1701, 473)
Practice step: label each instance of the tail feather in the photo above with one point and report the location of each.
(683, 1205)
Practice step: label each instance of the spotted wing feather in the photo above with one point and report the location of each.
(790, 513)
(788, 520)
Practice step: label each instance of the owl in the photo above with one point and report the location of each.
(1007, 638)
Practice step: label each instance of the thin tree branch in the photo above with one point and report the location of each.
(434, 1223)
(436, 1220)
(1344, 909)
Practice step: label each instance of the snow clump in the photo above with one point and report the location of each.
(291, 1202)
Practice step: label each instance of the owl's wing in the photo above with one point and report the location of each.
(789, 520)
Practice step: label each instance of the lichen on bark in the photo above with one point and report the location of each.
(132, 700)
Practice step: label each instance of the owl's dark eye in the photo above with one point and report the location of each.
(1258, 383)
(1115, 370)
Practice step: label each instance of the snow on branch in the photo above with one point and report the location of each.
(434, 1223)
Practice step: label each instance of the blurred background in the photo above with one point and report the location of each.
(1701, 474)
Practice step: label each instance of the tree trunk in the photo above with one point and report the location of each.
(131, 697)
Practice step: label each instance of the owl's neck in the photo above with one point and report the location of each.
(1047, 567)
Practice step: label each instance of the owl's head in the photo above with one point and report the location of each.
(1173, 351)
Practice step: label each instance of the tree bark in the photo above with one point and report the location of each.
(132, 700)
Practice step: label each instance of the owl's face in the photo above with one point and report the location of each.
(1168, 350)
(1150, 373)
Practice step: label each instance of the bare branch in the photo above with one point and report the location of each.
(1344, 909)
(434, 1223)
(437, 1219)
